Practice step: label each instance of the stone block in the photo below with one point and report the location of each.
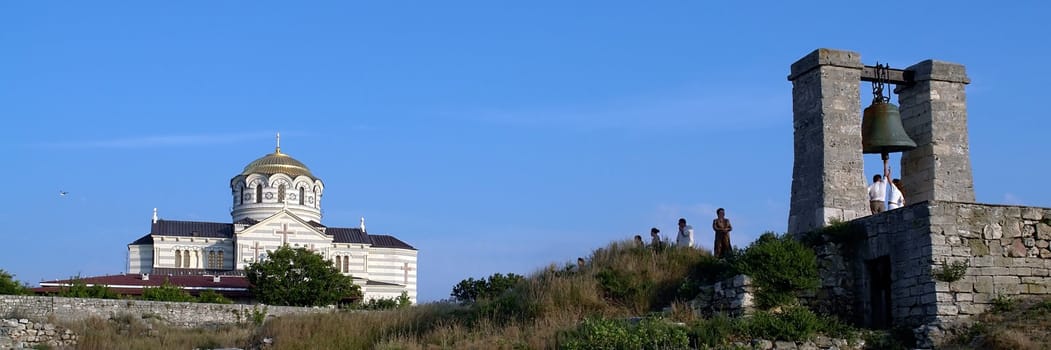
(961, 286)
(1038, 288)
(1017, 249)
(1030, 213)
(1005, 280)
(1043, 231)
(1020, 271)
(947, 309)
(983, 284)
(992, 231)
(972, 309)
(1012, 229)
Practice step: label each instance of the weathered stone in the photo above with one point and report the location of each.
(1017, 250)
(1012, 229)
(992, 231)
(785, 345)
(983, 284)
(762, 344)
(808, 346)
(978, 248)
(1043, 231)
(1029, 213)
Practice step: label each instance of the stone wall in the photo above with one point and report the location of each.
(1007, 249)
(177, 314)
(735, 296)
(896, 242)
(26, 334)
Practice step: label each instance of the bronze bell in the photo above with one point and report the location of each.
(881, 129)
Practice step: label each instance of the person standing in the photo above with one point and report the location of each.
(878, 192)
(656, 242)
(897, 196)
(722, 228)
(685, 236)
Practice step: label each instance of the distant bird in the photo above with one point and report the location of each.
(62, 193)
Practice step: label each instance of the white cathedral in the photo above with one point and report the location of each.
(276, 201)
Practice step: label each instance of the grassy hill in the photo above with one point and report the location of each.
(566, 307)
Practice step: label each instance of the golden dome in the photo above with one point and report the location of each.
(277, 163)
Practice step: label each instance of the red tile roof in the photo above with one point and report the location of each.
(189, 282)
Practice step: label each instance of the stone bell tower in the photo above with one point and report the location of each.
(828, 180)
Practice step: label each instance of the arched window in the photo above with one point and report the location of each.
(178, 258)
(211, 259)
(241, 193)
(346, 263)
(219, 260)
(281, 193)
(258, 193)
(302, 191)
(186, 258)
(339, 262)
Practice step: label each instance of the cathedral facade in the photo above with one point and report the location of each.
(276, 202)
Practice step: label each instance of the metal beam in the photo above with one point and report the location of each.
(894, 76)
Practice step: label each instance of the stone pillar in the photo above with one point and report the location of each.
(934, 114)
(828, 179)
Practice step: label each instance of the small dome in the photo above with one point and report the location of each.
(278, 163)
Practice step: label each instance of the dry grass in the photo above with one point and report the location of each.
(532, 315)
(129, 332)
(1025, 325)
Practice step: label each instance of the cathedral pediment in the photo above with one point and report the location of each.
(285, 226)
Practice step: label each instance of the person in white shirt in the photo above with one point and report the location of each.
(685, 236)
(897, 198)
(878, 191)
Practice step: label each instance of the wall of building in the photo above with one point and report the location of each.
(178, 314)
(140, 258)
(389, 265)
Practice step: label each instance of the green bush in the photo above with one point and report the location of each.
(10, 286)
(77, 288)
(795, 323)
(622, 287)
(166, 292)
(951, 272)
(715, 332)
(781, 267)
(620, 334)
(211, 296)
(471, 290)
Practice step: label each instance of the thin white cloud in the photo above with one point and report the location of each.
(1011, 198)
(161, 141)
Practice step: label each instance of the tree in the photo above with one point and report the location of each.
(77, 288)
(166, 292)
(213, 297)
(8, 284)
(471, 290)
(298, 277)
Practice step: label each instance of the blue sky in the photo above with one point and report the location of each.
(492, 136)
